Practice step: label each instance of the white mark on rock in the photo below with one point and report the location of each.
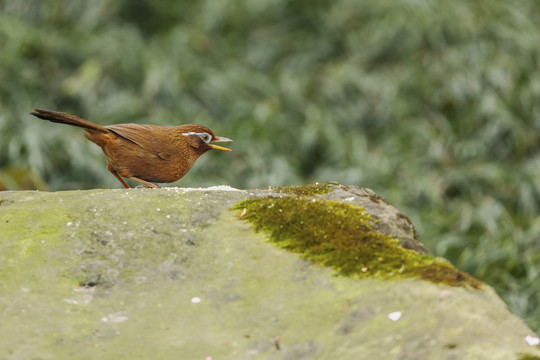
(222, 188)
(349, 198)
(395, 316)
(532, 340)
(116, 317)
(444, 293)
(196, 300)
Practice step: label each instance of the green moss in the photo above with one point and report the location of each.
(340, 235)
(528, 357)
(304, 190)
(31, 241)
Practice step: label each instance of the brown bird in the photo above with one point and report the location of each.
(144, 153)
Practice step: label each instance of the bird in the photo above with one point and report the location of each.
(147, 154)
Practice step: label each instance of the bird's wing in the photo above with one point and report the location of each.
(143, 135)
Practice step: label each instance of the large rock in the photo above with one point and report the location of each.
(334, 273)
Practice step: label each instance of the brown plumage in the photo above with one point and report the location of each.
(144, 153)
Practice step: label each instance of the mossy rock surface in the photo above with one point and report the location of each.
(181, 273)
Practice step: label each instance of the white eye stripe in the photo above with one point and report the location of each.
(206, 137)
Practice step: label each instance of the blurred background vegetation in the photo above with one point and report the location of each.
(432, 104)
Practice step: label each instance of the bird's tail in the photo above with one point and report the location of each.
(63, 118)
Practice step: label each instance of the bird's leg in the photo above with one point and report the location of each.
(144, 182)
(117, 176)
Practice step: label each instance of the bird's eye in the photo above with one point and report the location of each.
(205, 137)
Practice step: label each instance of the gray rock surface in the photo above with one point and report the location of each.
(175, 274)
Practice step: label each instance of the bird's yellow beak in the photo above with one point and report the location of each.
(220, 139)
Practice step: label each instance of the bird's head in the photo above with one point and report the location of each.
(202, 138)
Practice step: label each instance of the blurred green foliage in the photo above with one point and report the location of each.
(433, 104)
